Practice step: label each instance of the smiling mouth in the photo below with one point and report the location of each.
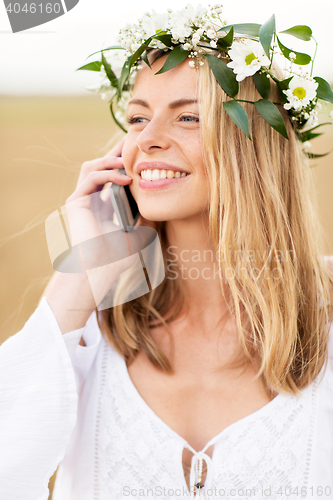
(157, 175)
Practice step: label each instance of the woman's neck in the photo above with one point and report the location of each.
(191, 258)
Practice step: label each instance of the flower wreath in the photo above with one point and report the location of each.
(196, 33)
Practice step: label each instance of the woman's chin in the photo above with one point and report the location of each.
(162, 215)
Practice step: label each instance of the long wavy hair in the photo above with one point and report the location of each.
(264, 227)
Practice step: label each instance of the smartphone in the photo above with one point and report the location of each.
(124, 205)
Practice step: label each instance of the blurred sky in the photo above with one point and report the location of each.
(43, 60)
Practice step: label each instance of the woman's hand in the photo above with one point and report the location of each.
(90, 215)
(73, 296)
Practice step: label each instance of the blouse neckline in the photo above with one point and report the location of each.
(282, 407)
(245, 420)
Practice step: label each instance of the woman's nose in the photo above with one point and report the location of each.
(153, 137)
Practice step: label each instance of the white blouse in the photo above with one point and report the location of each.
(61, 402)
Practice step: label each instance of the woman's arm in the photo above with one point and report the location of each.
(49, 287)
(73, 297)
(38, 406)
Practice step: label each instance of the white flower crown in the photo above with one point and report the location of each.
(195, 33)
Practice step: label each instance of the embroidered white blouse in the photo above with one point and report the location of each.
(61, 402)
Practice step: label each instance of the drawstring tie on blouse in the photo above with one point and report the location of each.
(196, 472)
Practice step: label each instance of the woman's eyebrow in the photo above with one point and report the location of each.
(172, 105)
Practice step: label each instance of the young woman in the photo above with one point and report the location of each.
(218, 382)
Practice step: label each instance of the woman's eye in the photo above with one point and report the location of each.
(185, 118)
(189, 118)
(135, 119)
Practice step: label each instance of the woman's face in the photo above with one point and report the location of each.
(164, 134)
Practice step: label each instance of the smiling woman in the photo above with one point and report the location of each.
(164, 134)
(220, 378)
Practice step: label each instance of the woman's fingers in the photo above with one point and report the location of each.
(105, 163)
(98, 178)
(112, 160)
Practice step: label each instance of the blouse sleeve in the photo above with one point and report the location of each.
(38, 404)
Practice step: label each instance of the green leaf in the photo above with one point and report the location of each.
(263, 84)
(301, 59)
(92, 66)
(161, 54)
(284, 84)
(307, 135)
(124, 74)
(109, 72)
(238, 115)
(115, 119)
(129, 63)
(266, 34)
(108, 48)
(300, 31)
(313, 155)
(145, 59)
(272, 115)
(227, 40)
(166, 39)
(320, 125)
(224, 75)
(140, 51)
(175, 57)
(244, 29)
(324, 90)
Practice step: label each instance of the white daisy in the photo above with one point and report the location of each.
(247, 57)
(152, 23)
(300, 93)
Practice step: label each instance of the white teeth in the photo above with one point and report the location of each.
(155, 175)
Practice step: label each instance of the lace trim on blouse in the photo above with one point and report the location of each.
(135, 449)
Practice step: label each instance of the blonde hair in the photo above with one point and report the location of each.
(261, 206)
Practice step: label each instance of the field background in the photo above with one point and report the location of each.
(44, 141)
